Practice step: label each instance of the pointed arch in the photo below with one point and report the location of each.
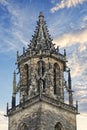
(22, 126)
(41, 71)
(56, 78)
(41, 67)
(26, 67)
(58, 126)
(41, 85)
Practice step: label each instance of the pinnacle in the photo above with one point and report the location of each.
(41, 18)
(41, 14)
(41, 38)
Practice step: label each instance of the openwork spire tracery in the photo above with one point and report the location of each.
(41, 38)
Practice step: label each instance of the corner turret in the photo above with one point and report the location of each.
(14, 91)
(70, 89)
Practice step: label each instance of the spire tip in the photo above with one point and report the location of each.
(41, 14)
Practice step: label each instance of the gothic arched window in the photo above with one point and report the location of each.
(26, 73)
(22, 126)
(56, 78)
(41, 71)
(26, 67)
(41, 68)
(58, 126)
(41, 85)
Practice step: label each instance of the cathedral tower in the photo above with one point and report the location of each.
(41, 87)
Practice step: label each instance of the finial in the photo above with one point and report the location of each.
(17, 55)
(41, 14)
(69, 79)
(14, 72)
(7, 107)
(14, 83)
(23, 50)
(64, 52)
(58, 49)
(70, 88)
(77, 106)
(41, 17)
(14, 91)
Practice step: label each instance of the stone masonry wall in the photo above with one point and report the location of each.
(43, 116)
(52, 115)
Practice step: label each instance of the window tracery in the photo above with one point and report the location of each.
(56, 78)
(58, 126)
(41, 85)
(26, 67)
(41, 71)
(41, 68)
(23, 126)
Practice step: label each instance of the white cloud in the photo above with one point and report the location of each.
(77, 64)
(82, 94)
(71, 39)
(14, 34)
(76, 45)
(3, 121)
(66, 3)
(53, 1)
(2, 1)
(82, 121)
(85, 19)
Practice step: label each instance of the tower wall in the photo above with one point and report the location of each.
(29, 116)
(41, 87)
(51, 115)
(48, 77)
(42, 116)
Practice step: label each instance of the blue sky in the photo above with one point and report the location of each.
(67, 24)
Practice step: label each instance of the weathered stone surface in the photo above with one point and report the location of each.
(41, 87)
(43, 116)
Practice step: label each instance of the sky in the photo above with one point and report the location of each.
(67, 25)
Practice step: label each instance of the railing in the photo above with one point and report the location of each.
(24, 104)
(58, 103)
(45, 98)
(41, 53)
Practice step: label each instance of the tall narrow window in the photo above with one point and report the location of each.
(41, 68)
(56, 78)
(23, 126)
(41, 85)
(58, 126)
(41, 71)
(26, 76)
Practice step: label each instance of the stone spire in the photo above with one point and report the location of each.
(14, 91)
(69, 80)
(70, 89)
(41, 23)
(41, 39)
